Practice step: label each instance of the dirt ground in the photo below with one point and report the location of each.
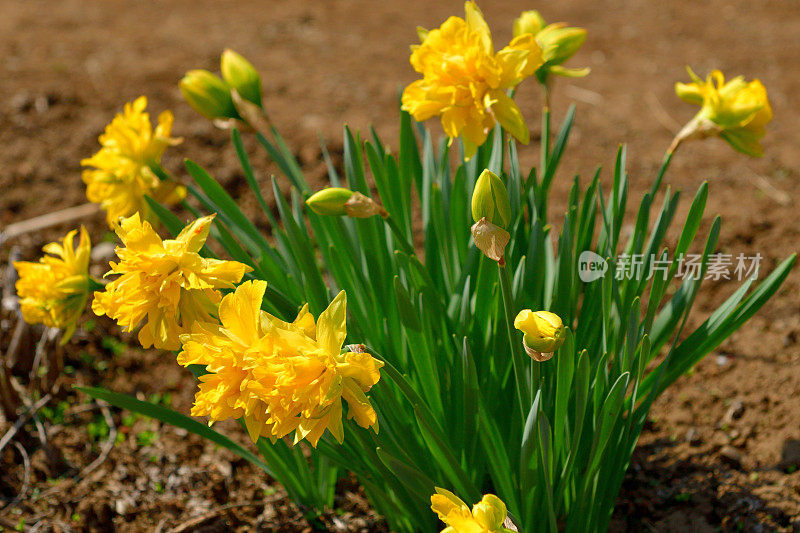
(722, 450)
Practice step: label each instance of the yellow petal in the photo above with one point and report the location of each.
(508, 115)
(240, 311)
(331, 325)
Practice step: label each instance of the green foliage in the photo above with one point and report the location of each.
(459, 404)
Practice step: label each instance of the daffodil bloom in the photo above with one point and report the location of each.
(544, 333)
(166, 284)
(558, 43)
(120, 174)
(737, 110)
(279, 376)
(465, 81)
(486, 516)
(54, 290)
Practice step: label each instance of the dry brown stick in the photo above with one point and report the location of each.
(22, 419)
(39, 353)
(45, 221)
(107, 446)
(26, 462)
(196, 521)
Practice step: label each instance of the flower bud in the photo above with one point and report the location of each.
(490, 200)
(330, 201)
(241, 75)
(528, 22)
(560, 43)
(208, 94)
(544, 333)
(491, 240)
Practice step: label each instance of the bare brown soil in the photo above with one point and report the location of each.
(723, 448)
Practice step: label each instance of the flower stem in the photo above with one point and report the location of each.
(399, 236)
(517, 357)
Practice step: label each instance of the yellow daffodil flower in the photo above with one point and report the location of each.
(486, 516)
(166, 284)
(465, 80)
(119, 175)
(279, 376)
(738, 111)
(544, 333)
(54, 291)
(557, 41)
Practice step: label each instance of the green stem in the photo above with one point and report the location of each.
(517, 357)
(544, 157)
(399, 236)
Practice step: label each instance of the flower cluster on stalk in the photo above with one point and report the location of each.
(280, 377)
(120, 174)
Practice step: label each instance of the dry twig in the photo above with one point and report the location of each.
(31, 410)
(196, 521)
(107, 446)
(45, 221)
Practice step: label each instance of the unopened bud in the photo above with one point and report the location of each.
(241, 75)
(491, 240)
(330, 201)
(490, 200)
(559, 43)
(544, 333)
(528, 22)
(360, 206)
(208, 95)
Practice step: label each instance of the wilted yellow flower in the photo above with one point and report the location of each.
(166, 283)
(544, 333)
(54, 291)
(558, 43)
(465, 81)
(279, 376)
(486, 516)
(120, 173)
(738, 111)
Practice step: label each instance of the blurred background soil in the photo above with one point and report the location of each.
(722, 449)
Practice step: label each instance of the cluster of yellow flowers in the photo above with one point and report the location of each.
(121, 173)
(466, 82)
(166, 284)
(279, 376)
(294, 377)
(54, 291)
